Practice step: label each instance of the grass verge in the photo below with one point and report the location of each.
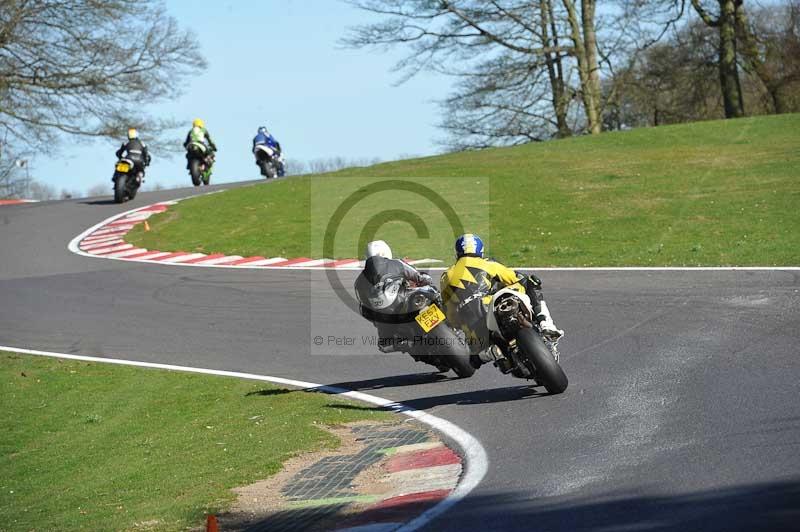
(91, 446)
(710, 193)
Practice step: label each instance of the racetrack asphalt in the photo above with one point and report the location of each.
(683, 411)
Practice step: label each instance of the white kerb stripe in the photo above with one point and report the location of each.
(263, 262)
(126, 253)
(152, 255)
(100, 245)
(316, 262)
(121, 247)
(182, 258)
(221, 260)
(349, 264)
(143, 215)
(117, 229)
(423, 261)
(99, 240)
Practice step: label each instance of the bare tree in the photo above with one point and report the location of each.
(100, 189)
(668, 82)
(295, 167)
(14, 178)
(514, 59)
(87, 68)
(771, 51)
(41, 191)
(723, 15)
(330, 164)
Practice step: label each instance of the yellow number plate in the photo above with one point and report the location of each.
(123, 167)
(430, 317)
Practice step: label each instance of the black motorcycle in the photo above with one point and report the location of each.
(127, 180)
(410, 320)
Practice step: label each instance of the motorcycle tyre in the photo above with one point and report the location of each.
(194, 171)
(119, 188)
(548, 371)
(451, 356)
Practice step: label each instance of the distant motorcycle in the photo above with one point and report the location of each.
(201, 163)
(409, 319)
(526, 352)
(127, 180)
(269, 161)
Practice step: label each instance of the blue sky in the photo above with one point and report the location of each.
(279, 63)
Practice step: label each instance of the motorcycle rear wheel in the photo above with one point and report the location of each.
(119, 188)
(548, 371)
(194, 171)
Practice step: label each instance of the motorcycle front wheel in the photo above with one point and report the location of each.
(451, 351)
(548, 371)
(267, 170)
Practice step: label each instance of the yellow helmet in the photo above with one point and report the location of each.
(132, 134)
(198, 122)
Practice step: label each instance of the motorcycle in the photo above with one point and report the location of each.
(268, 160)
(526, 352)
(410, 320)
(127, 180)
(200, 163)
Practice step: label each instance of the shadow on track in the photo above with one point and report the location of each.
(474, 397)
(753, 507)
(394, 381)
(99, 202)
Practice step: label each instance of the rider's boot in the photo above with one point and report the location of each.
(546, 324)
(490, 354)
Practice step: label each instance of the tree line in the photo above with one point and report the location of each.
(531, 70)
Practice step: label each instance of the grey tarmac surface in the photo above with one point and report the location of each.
(683, 411)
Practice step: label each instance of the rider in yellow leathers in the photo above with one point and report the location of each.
(467, 289)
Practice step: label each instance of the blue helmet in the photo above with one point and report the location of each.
(469, 244)
(263, 130)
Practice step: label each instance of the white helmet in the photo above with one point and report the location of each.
(379, 248)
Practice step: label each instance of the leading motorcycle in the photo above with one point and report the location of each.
(127, 180)
(200, 161)
(523, 351)
(410, 320)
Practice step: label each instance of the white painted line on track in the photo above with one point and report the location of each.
(475, 460)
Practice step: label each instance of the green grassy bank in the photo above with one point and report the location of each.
(90, 446)
(710, 193)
